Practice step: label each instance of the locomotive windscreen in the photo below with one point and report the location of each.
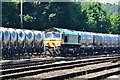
(56, 35)
(48, 35)
(52, 35)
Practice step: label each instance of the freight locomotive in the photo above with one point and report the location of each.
(58, 41)
(20, 42)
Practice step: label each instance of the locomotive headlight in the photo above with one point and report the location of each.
(46, 43)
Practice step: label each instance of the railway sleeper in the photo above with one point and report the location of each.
(46, 69)
(78, 73)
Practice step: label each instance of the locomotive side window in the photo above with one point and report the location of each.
(48, 35)
(79, 39)
(66, 39)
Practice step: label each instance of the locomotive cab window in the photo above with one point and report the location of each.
(48, 35)
(56, 35)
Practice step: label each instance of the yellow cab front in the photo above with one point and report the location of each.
(52, 39)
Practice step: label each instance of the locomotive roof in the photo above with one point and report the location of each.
(64, 31)
(73, 32)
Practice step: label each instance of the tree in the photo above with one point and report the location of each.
(66, 15)
(35, 15)
(96, 17)
(86, 16)
(115, 22)
(10, 14)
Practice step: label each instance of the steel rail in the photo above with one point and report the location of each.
(103, 76)
(50, 67)
(6, 71)
(83, 72)
(29, 63)
(8, 65)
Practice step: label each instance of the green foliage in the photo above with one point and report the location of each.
(115, 22)
(96, 17)
(87, 16)
(10, 14)
(113, 7)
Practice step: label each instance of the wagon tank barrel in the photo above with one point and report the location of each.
(13, 35)
(21, 35)
(6, 35)
(29, 36)
(38, 37)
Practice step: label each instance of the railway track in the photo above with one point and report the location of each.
(33, 70)
(8, 65)
(88, 71)
(100, 74)
(12, 64)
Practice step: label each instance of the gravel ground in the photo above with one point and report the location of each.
(42, 58)
(96, 74)
(114, 77)
(59, 72)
